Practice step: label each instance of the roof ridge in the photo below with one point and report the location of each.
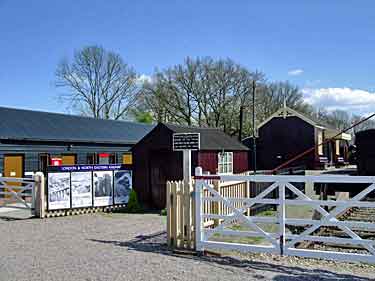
(192, 127)
(72, 115)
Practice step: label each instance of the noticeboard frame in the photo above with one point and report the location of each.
(187, 148)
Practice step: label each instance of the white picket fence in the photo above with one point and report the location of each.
(238, 225)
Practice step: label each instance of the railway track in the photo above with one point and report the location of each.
(366, 215)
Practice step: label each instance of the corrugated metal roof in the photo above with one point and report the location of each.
(211, 138)
(20, 124)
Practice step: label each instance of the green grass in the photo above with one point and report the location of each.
(291, 212)
(268, 213)
(241, 240)
(271, 228)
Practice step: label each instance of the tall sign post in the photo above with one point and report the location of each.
(186, 142)
(254, 133)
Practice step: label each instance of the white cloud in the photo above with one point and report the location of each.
(144, 78)
(295, 72)
(351, 100)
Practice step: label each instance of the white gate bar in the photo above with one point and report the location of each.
(7, 179)
(240, 233)
(214, 245)
(231, 217)
(296, 178)
(334, 240)
(331, 203)
(251, 201)
(351, 224)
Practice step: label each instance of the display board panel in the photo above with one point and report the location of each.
(81, 189)
(58, 191)
(186, 141)
(103, 188)
(122, 186)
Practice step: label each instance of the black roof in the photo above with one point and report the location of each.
(20, 124)
(210, 138)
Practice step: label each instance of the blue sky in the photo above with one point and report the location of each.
(325, 47)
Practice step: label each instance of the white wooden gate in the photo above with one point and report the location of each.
(17, 193)
(250, 233)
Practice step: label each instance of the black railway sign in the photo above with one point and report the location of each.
(186, 141)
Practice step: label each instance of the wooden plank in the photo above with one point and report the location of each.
(180, 202)
(168, 200)
(174, 214)
(187, 217)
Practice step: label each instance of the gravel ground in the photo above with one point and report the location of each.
(132, 247)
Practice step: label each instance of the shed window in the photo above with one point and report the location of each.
(225, 163)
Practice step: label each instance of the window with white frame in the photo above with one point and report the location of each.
(225, 163)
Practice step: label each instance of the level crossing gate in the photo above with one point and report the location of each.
(281, 234)
(17, 193)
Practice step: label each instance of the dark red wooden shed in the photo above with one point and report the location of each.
(288, 133)
(155, 162)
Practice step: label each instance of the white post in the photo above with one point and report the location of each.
(281, 209)
(186, 195)
(187, 166)
(198, 210)
(39, 205)
(248, 187)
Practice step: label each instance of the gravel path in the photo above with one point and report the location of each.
(131, 247)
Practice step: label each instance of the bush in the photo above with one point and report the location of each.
(163, 212)
(133, 204)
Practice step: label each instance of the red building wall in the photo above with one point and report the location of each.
(240, 162)
(208, 160)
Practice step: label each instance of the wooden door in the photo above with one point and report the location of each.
(13, 168)
(68, 159)
(158, 182)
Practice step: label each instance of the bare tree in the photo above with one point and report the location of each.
(271, 97)
(99, 83)
(209, 92)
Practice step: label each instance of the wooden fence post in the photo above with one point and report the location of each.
(169, 214)
(39, 196)
(174, 214)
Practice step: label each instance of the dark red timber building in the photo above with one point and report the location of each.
(155, 162)
(287, 133)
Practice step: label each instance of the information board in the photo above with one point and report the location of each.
(186, 141)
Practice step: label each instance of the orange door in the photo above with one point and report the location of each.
(68, 159)
(13, 168)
